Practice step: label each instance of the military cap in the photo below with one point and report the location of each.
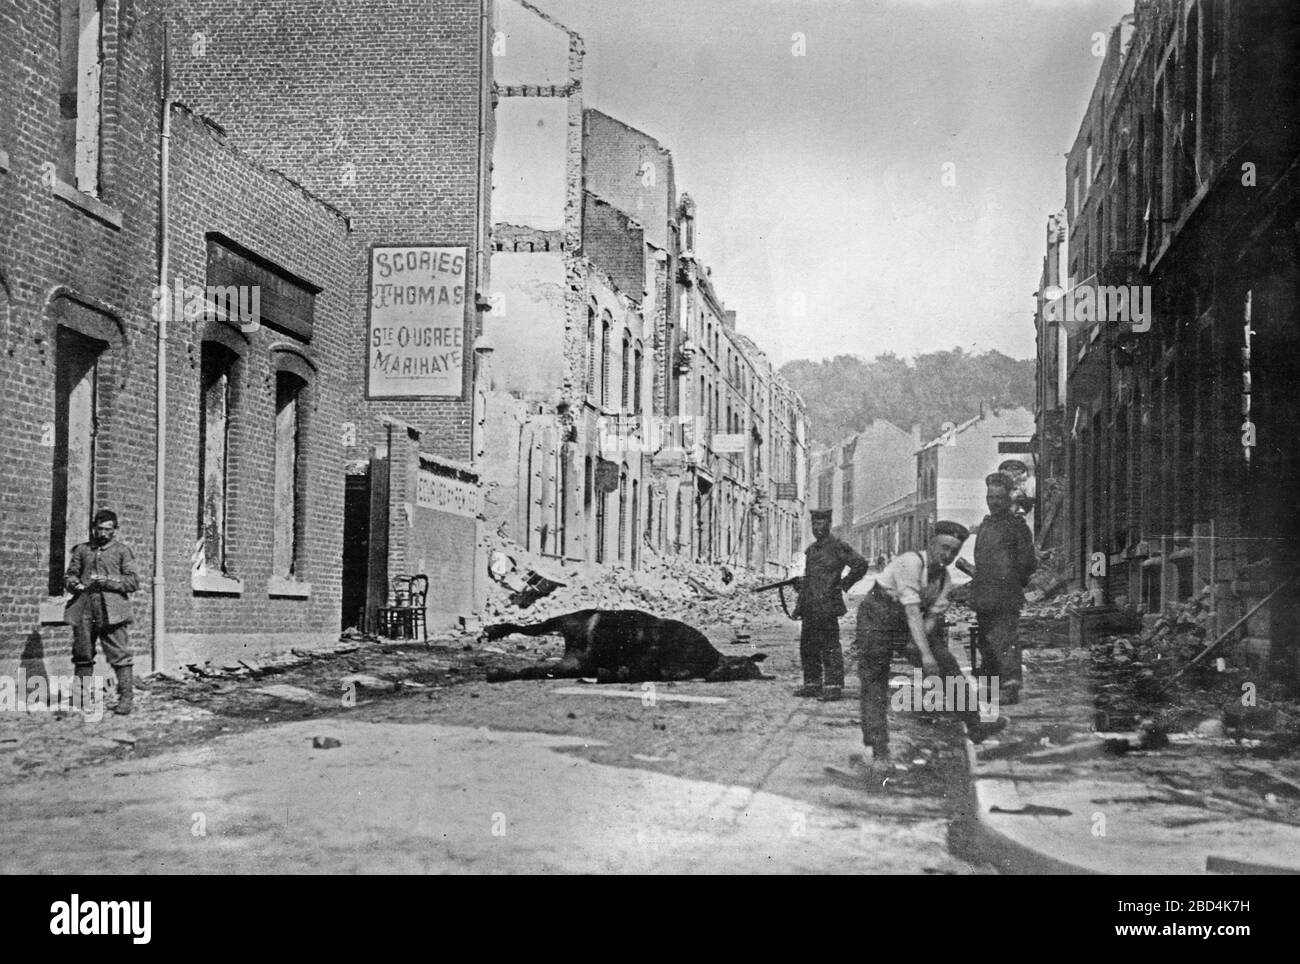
(817, 514)
(1000, 478)
(954, 529)
(1013, 465)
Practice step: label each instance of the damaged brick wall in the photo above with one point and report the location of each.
(86, 264)
(219, 190)
(396, 147)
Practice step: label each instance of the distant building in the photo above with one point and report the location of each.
(862, 475)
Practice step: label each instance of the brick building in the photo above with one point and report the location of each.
(887, 489)
(951, 468)
(385, 113)
(281, 205)
(861, 481)
(1051, 367)
(779, 463)
(256, 398)
(79, 152)
(606, 405)
(570, 379)
(748, 453)
(1179, 440)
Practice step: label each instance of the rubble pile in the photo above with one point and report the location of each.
(1060, 606)
(527, 587)
(1049, 579)
(1135, 679)
(265, 664)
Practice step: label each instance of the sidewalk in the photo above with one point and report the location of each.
(1056, 795)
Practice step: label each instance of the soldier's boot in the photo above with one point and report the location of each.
(125, 690)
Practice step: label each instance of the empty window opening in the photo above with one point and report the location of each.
(75, 428)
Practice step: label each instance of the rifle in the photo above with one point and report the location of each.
(792, 581)
(795, 582)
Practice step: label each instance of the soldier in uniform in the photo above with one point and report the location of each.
(1004, 561)
(821, 604)
(101, 576)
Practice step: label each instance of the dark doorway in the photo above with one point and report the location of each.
(356, 547)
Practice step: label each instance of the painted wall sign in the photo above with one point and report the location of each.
(447, 494)
(417, 322)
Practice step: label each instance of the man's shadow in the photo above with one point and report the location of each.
(33, 655)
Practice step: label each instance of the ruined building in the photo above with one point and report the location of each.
(1170, 412)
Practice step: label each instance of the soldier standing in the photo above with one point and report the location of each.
(101, 574)
(821, 604)
(1004, 561)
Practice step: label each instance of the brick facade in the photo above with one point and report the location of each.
(396, 147)
(217, 190)
(85, 265)
(332, 129)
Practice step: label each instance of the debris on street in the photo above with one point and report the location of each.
(527, 587)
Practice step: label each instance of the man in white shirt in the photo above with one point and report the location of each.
(903, 614)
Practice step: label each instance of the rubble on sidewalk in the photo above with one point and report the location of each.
(1113, 705)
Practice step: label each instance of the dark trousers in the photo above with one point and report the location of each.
(820, 653)
(878, 639)
(93, 626)
(1000, 644)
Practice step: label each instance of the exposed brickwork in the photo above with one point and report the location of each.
(216, 189)
(617, 243)
(373, 107)
(632, 171)
(332, 113)
(57, 261)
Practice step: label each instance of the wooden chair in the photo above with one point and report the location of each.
(406, 616)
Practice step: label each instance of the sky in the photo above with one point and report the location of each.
(813, 136)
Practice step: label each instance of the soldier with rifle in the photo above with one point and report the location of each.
(820, 605)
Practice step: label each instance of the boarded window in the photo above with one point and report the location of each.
(215, 384)
(81, 93)
(289, 390)
(249, 290)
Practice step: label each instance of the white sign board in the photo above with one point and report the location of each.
(417, 322)
(447, 494)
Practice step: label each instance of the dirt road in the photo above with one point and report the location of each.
(551, 776)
